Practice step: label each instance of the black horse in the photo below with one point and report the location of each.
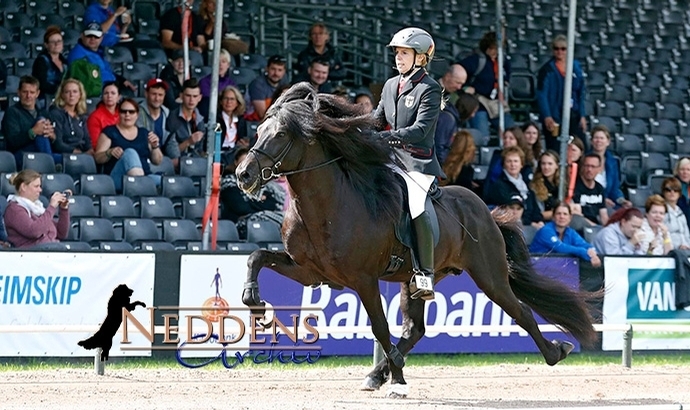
(339, 230)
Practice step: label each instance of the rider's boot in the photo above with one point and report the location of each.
(422, 283)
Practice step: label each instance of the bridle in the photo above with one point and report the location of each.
(272, 172)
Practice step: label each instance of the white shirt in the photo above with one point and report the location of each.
(230, 136)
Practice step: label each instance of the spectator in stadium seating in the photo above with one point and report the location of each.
(224, 80)
(482, 69)
(682, 172)
(531, 131)
(449, 119)
(320, 49)
(656, 239)
(510, 183)
(27, 127)
(50, 66)
(452, 81)
(512, 137)
(458, 165)
(556, 236)
(231, 108)
(550, 90)
(467, 106)
(105, 113)
(173, 75)
(545, 183)
(186, 123)
(588, 193)
(125, 148)
(171, 30)
(261, 89)
(27, 221)
(68, 113)
(574, 153)
(88, 64)
(366, 101)
(114, 23)
(153, 116)
(3, 232)
(317, 76)
(675, 218)
(609, 175)
(622, 234)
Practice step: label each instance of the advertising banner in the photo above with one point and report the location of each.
(643, 291)
(64, 289)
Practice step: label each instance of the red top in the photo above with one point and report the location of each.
(99, 119)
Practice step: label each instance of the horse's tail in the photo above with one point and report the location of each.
(551, 299)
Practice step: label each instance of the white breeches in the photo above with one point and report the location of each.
(418, 185)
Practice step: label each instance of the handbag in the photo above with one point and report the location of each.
(492, 106)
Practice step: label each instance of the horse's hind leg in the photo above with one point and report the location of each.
(491, 275)
(413, 329)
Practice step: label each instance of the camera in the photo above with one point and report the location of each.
(67, 193)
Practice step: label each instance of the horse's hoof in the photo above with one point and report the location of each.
(566, 348)
(398, 391)
(370, 384)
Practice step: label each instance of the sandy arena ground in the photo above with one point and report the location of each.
(502, 387)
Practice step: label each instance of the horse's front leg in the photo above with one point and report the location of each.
(413, 329)
(370, 295)
(280, 262)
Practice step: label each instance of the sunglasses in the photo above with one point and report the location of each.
(671, 190)
(559, 48)
(132, 112)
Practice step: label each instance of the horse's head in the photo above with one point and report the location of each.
(283, 136)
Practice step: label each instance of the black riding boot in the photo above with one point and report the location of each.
(425, 257)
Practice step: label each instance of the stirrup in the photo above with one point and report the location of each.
(422, 286)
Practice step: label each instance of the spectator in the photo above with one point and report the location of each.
(125, 148)
(510, 183)
(556, 236)
(682, 172)
(589, 194)
(452, 81)
(656, 239)
(261, 89)
(3, 231)
(550, 90)
(609, 175)
(467, 106)
(50, 66)
(68, 113)
(512, 137)
(27, 127)
(186, 124)
(366, 101)
(675, 218)
(173, 75)
(153, 116)
(114, 23)
(318, 76)
(458, 166)
(482, 68)
(231, 108)
(224, 80)
(105, 113)
(449, 120)
(28, 222)
(320, 49)
(533, 139)
(622, 234)
(574, 153)
(88, 64)
(207, 14)
(545, 183)
(171, 29)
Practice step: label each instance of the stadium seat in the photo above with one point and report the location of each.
(227, 232)
(156, 246)
(634, 126)
(638, 110)
(638, 196)
(96, 185)
(193, 209)
(116, 208)
(590, 232)
(137, 230)
(115, 247)
(253, 61)
(166, 167)
(31, 35)
(610, 109)
(52, 183)
(95, 230)
(177, 187)
(659, 143)
(655, 181)
(663, 127)
(157, 208)
(242, 76)
(630, 169)
(77, 164)
(138, 186)
(47, 20)
(118, 55)
(23, 66)
(39, 161)
(17, 21)
(609, 122)
(653, 163)
(670, 111)
(242, 247)
(628, 144)
(81, 206)
(263, 232)
(682, 146)
(193, 167)
(153, 57)
(673, 95)
(7, 162)
(179, 232)
(76, 246)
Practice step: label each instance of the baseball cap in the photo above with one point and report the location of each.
(177, 54)
(93, 29)
(156, 82)
(276, 59)
(516, 200)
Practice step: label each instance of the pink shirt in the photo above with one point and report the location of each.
(24, 231)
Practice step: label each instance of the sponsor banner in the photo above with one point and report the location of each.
(67, 289)
(458, 302)
(214, 282)
(643, 291)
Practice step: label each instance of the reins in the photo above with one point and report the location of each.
(272, 172)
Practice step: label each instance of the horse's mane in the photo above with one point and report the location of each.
(343, 130)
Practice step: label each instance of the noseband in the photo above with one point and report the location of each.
(272, 172)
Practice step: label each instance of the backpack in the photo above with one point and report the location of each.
(89, 75)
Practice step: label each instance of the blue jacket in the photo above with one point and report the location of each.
(550, 90)
(546, 240)
(613, 177)
(94, 57)
(483, 82)
(96, 12)
(447, 126)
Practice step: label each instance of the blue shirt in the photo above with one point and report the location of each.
(96, 12)
(547, 240)
(94, 57)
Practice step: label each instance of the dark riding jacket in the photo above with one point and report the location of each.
(412, 117)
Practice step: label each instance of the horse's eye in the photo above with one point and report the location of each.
(280, 134)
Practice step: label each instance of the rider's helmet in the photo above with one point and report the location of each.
(415, 38)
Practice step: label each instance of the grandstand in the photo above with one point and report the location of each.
(632, 51)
